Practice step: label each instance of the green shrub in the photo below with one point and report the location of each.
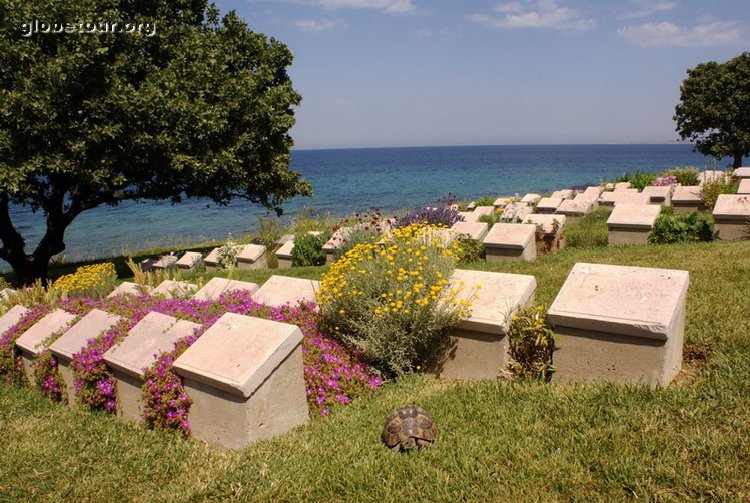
(714, 187)
(390, 301)
(490, 219)
(485, 201)
(532, 343)
(687, 175)
(470, 250)
(308, 251)
(670, 228)
(639, 179)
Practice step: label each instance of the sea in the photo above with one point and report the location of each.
(349, 180)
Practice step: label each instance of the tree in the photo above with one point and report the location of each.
(192, 105)
(714, 108)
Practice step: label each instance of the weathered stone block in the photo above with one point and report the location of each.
(553, 226)
(11, 318)
(517, 212)
(156, 333)
(500, 202)
(744, 187)
(661, 195)
(623, 197)
(510, 242)
(471, 206)
(476, 230)
(216, 287)
(211, 260)
(189, 260)
(130, 288)
(619, 324)
(479, 344)
(742, 173)
(252, 257)
(75, 339)
(165, 262)
(686, 199)
(531, 198)
(631, 223)
(174, 289)
(549, 204)
(732, 217)
(574, 209)
(281, 290)
(564, 194)
(284, 255)
(593, 192)
(35, 339)
(621, 186)
(245, 379)
(703, 176)
(339, 238)
(469, 216)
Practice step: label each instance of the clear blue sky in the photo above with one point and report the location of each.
(473, 72)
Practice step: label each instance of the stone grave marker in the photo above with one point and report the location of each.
(34, 340)
(281, 290)
(631, 223)
(189, 260)
(686, 199)
(11, 318)
(130, 288)
(174, 289)
(252, 257)
(216, 287)
(510, 242)
(476, 230)
(549, 204)
(732, 217)
(661, 195)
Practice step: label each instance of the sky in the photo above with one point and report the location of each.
(393, 73)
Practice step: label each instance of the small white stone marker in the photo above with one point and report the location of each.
(619, 186)
(476, 230)
(564, 194)
(511, 242)
(189, 260)
(211, 260)
(619, 324)
(631, 223)
(531, 198)
(252, 257)
(609, 186)
(34, 340)
(245, 379)
(174, 289)
(156, 333)
(732, 214)
(284, 255)
(593, 192)
(484, 210)
(549, 204)
(165, 262)
(75, 339)
(285, 239)
(744, 187)
(703, 176)
(517, 211)
(130, 288)
(500, 202)
(216, 287)
(547, 222)
(11, 318)
(471, 206)
(281, 290)
(622, 197)
(574, 209)
(742, 173)
(469, 216)
(337, 240)
(661, 194)
(687, 198)
(480, 345)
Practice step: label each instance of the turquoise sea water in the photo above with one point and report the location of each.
(349, 180)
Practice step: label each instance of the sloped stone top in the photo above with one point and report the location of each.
(238, 353)
(621, 186)
(484, 210)
(579, 205)
(547, 221)
(499, 296)
(549, 203)
(634, 301)
(614, 198)
(285, 251)
(189, 260)
(338, 239)
(687, 194)
(743, 172)
(633, 216)
(732, 207)
(500, 202)
(11, 317)
(658, 193)
(517, 210)
(531, 198)
(169, 288)
(593, 191)
(91, 326)
(156, 333)
(744, 187)
(477, 230)
(32, 341)
(563, 194)
(513, 236)
(218, 286)
(165, 262)
(212, 257)
(280, 290)
(469, 216)
(710, 174)
(129, 288)
(251, 253)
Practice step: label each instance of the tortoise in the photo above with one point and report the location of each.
(409, 427)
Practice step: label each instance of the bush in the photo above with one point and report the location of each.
(670, 228)
(665, 180)
(472, 250)
(486, 201)
(532, 343)
(226, 254)
(95, 280)
(308, 250)
(640, 180)
(391, 302)
(431, 216)
(491, 219)
(362, 228)
(714, 187)
(687, 175)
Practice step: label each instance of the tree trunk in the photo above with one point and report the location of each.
(737, 160)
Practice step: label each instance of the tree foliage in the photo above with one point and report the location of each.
(200, 109)
(714, 108)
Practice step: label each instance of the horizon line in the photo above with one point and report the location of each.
(670, 142)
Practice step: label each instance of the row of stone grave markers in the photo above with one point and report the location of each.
(244, 376)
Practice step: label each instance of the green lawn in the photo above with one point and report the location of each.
(497, 441)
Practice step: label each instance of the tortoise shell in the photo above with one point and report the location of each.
(409, 427)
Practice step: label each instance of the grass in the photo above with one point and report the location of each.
(496, 441)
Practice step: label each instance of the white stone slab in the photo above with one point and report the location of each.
(477, 230)
(212, 258)
(593, 191)
(661, 194)
(281, 290)
(732, 207)
(251, 253)
(165, 262)
(623, 197)
(11, 318)
(633, 216)
(33, 340)
(564, 194)
(531, 198)
(633, 301)
(471, 206)
(484, 210)
(469, 216)
(189, 260)
(710, 175)
(547, 222)
(156, 333)
(742, 173)
(513, 236)
(174, 289)
(517, 211)
(130, 288)
(744, 187)
(609, 186)
(621, 186)
(337, 240)
(549, 204)
(285, 251)
(76, 338)
(285, 239)
(576, 206)
(216, 287)
(500, 202)
(687, 194)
